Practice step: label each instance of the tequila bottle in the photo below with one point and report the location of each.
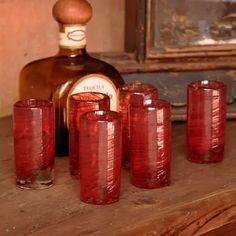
(71, 71)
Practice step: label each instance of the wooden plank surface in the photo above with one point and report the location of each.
(200, 200)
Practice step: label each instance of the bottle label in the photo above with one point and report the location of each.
(97, 83)
(73, 37)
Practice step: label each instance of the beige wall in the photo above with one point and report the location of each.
(28, 32)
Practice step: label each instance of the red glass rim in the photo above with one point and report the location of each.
(207, 85)
(88, 97)
(33, 103)
(153, 104)
(138, 88)
(100, 116)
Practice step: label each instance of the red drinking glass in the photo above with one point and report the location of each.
(132, 93)
(100, 157)
(150, 144)
(78, 104)
(206, 121)
(34, 143)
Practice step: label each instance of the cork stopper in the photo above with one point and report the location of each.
(72, 12)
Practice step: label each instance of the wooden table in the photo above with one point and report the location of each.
(200, 201)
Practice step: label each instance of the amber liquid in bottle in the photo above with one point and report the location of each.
(72, 70)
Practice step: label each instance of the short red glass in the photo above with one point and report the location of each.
(34, 128)
(150, 144)
(78, 104)
(100, 157)
(206, 121)
(132, 93)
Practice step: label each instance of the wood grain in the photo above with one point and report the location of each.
(127, 63)
(199, 201)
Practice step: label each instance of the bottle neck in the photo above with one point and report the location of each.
(72, 52)
(72, 40)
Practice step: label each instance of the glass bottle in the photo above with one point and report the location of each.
(71, 71)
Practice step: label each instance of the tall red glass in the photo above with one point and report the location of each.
(150, 142)
(34, 143)
(132, 93)
(100, 157)
(206, 121)
(78, 104)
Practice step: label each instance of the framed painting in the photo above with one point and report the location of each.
(190, 28)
